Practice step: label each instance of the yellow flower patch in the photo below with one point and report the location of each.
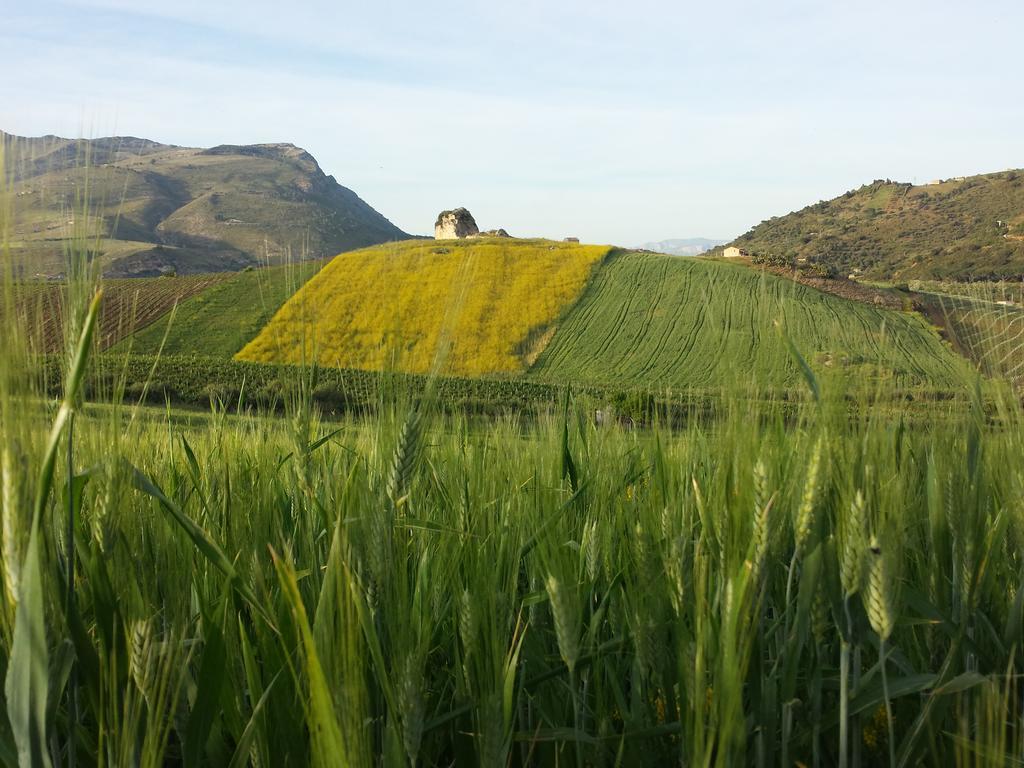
(463, 307)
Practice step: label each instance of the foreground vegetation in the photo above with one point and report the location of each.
(415, 589)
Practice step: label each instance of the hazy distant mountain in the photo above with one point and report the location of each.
(155, 208)
(691, 246)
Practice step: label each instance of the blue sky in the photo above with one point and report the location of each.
(616, 121)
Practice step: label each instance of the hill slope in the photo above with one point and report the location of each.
(960, 229)
(221, 319)
(565, 313)
(487, 303)
(159, 207)
(658, 320)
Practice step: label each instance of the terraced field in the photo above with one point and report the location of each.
(220, 320)
(129, 305)
(467, 307)
(656, 320)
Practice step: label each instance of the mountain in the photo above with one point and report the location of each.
(693, 246)
(967, 228)
(147, 208)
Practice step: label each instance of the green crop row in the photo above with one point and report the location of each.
(697, 323)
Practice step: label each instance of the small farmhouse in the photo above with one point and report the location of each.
(732, 252)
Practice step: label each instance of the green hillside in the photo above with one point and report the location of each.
(966, 229)
(219, 321)
(154, 208)
(636, 320)
(657, 320)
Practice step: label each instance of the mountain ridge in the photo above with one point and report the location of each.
(156, 208)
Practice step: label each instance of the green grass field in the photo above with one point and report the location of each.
(700, 323)
(221, 320)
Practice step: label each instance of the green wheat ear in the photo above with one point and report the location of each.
(879, 596)
(140, 657)
(761, 525)
(851, 563)
(10, 509)
(566, 621)
(804, 522)
(403, 462)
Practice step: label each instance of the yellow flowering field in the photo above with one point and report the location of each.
(470, 307)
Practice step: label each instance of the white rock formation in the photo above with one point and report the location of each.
(455, 224)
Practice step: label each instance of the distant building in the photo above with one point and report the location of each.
(732, 252)
(571, 240)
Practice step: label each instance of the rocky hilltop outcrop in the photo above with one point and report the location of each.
(455, 224)
(459, 223)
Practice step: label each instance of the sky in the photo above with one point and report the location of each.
(616, 122)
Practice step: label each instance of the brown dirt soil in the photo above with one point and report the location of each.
(128, 306)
